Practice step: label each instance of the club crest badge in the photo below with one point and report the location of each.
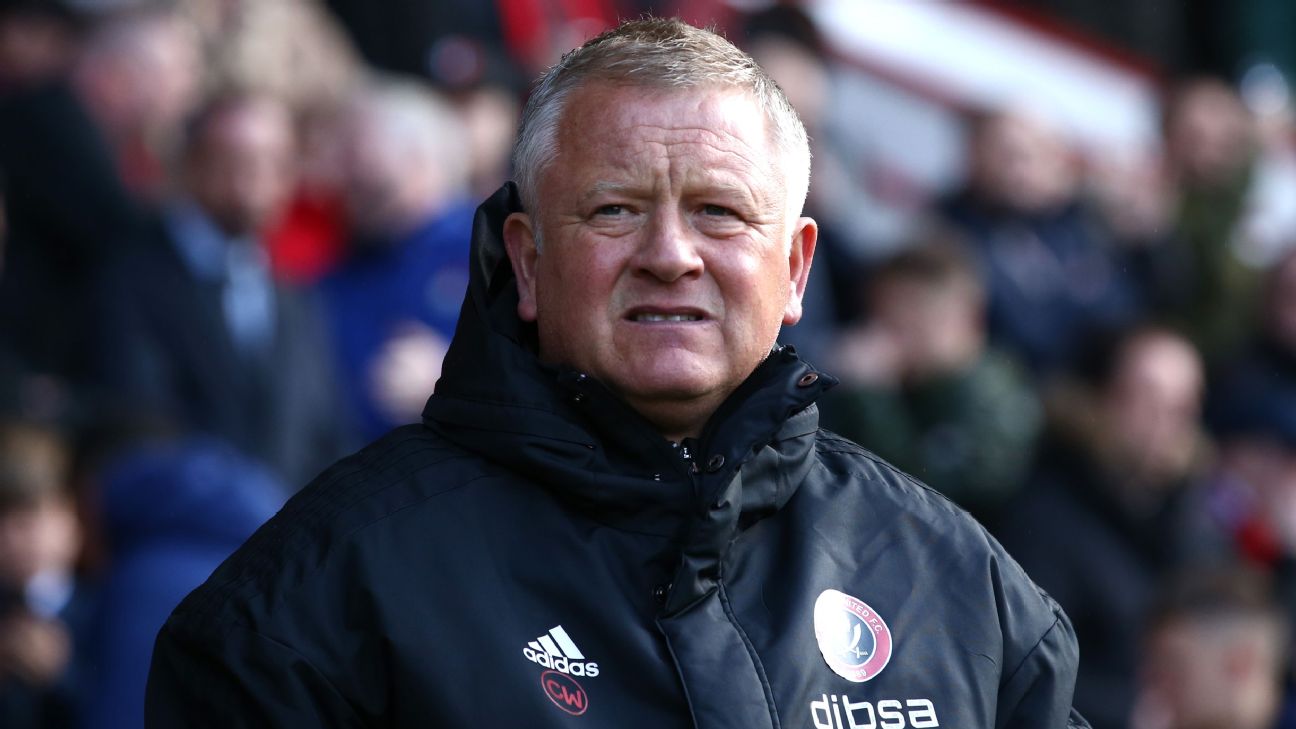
(854, 640)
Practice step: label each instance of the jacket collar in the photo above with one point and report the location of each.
(572, 435)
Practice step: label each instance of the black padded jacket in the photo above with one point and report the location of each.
(534, 554)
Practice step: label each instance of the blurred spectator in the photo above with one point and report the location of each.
(193, 324)
(293, 50)
(68, 210)
(1253, 413)
(307, 239)
(394, 301)
(25, 392)
(921, 388)
(1206, 283)
(43, 608)
(1268, 227)
(171, 513)
(1215, 655)
(1053, 277)
(139, 74)
(486, 91)
(296, 51)
(1115, 504)
(36, 42)
(1269, 360)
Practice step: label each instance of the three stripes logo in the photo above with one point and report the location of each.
(555, 650)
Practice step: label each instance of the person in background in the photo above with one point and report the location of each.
(170, 511)
(922, 389)
(1269, 356)
(1252, 410)
(1253, 487)
(1205, 281)
(44, 608)
(296, 51)
(1115, 503)
(393, 302)
(37, 38)
(1053, 279)
(486, 91)
(193, 324)
(64, 100)
(139, 73)
(1214, 655)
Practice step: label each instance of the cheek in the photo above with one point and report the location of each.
(773, 289)
(755, 299)
(573, 293)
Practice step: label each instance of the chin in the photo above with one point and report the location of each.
(678, 369)
(673, 391)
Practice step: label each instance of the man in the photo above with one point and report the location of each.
(194, 327)
(619, 510)
(1115, 503)
(1052, 279)
(393, 302)
(924, 389)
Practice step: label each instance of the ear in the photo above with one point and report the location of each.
(519, 239)
(805, 235)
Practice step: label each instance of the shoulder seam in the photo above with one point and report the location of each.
(1057, 620)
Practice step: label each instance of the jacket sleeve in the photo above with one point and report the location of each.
(1037, 693)
(236, 678)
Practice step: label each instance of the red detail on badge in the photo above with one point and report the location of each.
(565, 692)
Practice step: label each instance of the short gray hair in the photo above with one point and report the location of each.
(655, 53)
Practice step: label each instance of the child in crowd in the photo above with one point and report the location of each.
(42, 609)
(1214, 656)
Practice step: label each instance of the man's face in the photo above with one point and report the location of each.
(668, 256)
(242, 172)
(939, 326)
(1153, 405)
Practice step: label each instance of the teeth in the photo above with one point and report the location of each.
(667, 317)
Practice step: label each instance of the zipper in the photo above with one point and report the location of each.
(687, 449)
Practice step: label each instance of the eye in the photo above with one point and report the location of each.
(717, 210)
(611, 210)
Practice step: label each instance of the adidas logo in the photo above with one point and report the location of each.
(556, 650)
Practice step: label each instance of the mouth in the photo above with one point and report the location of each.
(646, 315)
(665, 317)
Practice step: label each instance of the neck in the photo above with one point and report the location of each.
(677, 420)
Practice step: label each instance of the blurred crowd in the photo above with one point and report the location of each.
(233, 248)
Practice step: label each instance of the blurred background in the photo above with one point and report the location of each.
(1057, 276)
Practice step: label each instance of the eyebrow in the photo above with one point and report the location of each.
(709, 187)
(725, 188)
(603, 187)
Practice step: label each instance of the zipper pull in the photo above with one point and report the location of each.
(686, 448)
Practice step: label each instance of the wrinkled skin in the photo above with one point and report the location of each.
(669, 251)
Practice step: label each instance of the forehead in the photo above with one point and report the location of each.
(718, 127)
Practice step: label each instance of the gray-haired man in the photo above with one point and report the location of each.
(619, 510)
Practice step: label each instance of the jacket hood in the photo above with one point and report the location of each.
(571, 433)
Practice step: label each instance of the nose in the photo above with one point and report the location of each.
(667, 250)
